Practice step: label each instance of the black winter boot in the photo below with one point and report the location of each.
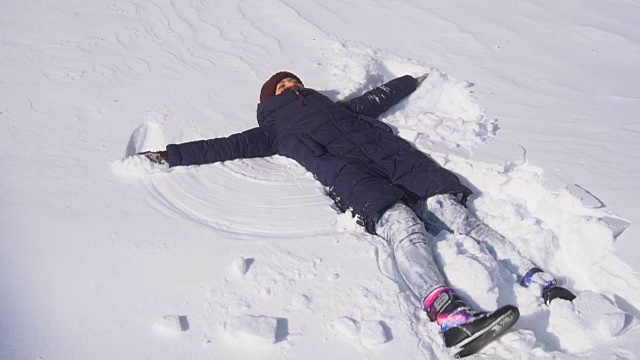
(464, 329)
(536, 277)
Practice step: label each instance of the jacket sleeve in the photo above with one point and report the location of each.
(256, 142)
(375, 102)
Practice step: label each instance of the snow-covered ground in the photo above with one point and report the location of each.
(534, 104)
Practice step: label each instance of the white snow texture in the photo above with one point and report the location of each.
(104, 255)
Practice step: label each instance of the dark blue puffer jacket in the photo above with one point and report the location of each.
(365, 166)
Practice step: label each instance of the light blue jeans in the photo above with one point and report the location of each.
(404, 230)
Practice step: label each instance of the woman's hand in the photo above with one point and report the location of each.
(158, 157)
(421, 78)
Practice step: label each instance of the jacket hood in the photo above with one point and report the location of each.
(268, 89)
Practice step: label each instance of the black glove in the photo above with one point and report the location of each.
(421, 78)
(158, 157)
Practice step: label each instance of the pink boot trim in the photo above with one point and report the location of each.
(429, 304)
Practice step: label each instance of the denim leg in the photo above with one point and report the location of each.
(411, 244)
(445, 212)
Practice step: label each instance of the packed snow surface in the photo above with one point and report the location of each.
(104, 255)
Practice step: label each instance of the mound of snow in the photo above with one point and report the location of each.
(585, 321)
(171, 324)
(367, 333)
(256, 329)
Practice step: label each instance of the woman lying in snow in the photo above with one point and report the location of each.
(392, 188)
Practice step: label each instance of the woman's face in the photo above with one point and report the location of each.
(287, 84)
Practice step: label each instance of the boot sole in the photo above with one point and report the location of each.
(506, 317)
